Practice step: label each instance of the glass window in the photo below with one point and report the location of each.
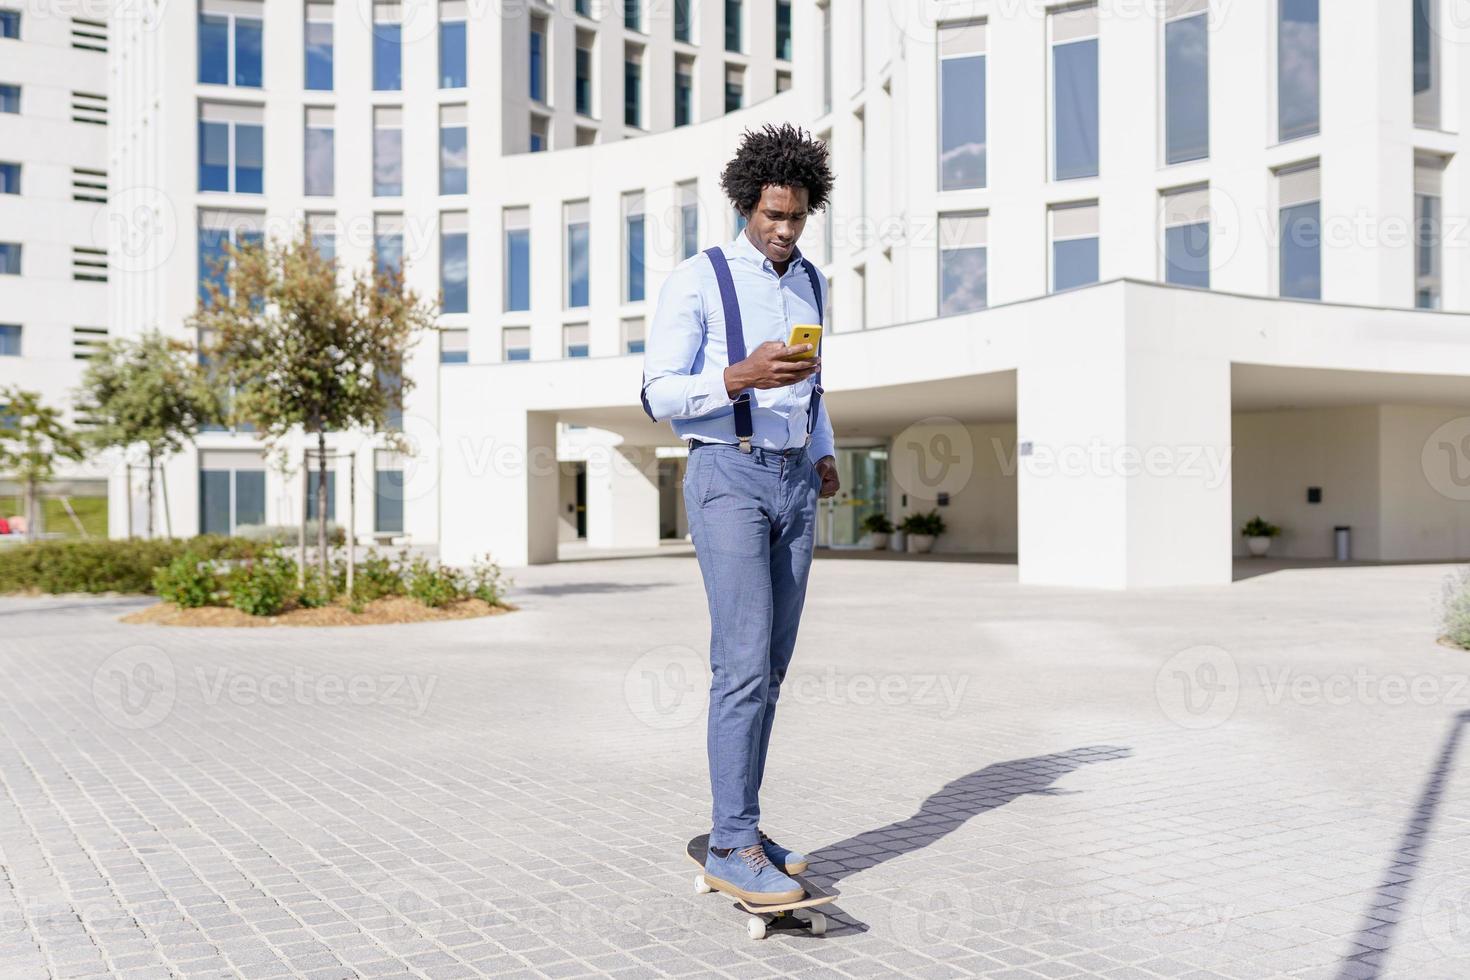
(633, 15)
(388, 470)
(1298, 75)
(218, 229)
(231, 148)
(578, 244)
(231, 494)
(1074, 246)
(574, 340)
(632, 89)
(963, 268)
(320, 152)
(9, 178)
(783, 29)
(827, 56)
(454, 150)
(538, 133)
(1299, 196)
(454, 262)
(583, 90)
(688, 220)
(1187, 88)
(387, 151)
(517, 259)
(314, 480)
(683, 21)
(319, 46)
(387, 48)
(9, 98)
(1187, 237)
(9, 340)
(962, 106)
(9, 258)
(1074, 83)
(452, 61)
(229, 48)
(214, 49)
(583, 8)
(783, 81)
(633, 247)
(732, 24)
(1428, 232)
(683, 92)
(1426, 63)
(323, 231)
(734, 88)
(538, 60)
(10, 23)
(633, 335)
(388, 243)
(515, 344)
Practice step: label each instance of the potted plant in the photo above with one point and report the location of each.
(878, 528)
(1258, 535)
(921, 529)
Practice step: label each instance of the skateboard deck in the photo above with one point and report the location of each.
(763, 917)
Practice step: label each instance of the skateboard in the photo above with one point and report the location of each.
(766, 917)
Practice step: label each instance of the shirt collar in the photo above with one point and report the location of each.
(742, 247)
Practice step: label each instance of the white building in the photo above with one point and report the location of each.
(53, 193)
(1107, 279)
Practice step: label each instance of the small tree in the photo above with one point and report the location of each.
(298, 351)
(147, 390)
(33, 439)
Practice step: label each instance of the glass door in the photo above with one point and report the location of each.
(863, 472)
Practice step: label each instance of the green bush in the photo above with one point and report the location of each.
(263, 586)
(314, 595)
(106, 565)
(1257, 528)
(486, 581)
(435, 585)
(877, 524)
(929, 522)
(1456, 614)
(188, 582)
(377, 576)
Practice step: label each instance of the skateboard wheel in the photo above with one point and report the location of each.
(819, 924)
(701, 887)
(756, 926)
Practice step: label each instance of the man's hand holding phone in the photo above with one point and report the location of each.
(771, 365)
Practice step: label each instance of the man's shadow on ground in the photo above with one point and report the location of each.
(946, 811)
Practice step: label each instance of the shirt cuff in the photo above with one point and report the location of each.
(714, 395)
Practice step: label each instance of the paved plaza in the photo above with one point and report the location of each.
(1261, 780)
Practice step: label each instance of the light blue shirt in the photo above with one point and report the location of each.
(684, 356)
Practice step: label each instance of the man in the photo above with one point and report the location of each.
(760, 455)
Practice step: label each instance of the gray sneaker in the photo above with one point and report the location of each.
(747, 873)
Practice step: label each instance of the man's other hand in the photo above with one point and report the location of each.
(827, 467)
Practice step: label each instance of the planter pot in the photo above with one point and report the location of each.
(1258, 546)
(895, 541)
(920, 543)
(878, 541)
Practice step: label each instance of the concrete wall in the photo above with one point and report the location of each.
(981, 483)
(1278, 455)
(1423, 482)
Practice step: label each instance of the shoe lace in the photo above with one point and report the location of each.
(754, 857)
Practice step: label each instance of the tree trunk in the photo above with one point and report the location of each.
(30, 510)
(150, 494)
(321, 508)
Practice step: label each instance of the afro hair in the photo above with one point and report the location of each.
(777, 156)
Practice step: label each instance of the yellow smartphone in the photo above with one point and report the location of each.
(805, 333)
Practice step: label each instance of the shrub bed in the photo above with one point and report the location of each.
(107, 565)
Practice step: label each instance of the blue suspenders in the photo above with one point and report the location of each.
(735, 345)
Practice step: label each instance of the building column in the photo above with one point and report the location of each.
(499, 489)
(622, 497)
(1123, 454)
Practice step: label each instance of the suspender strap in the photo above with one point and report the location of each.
(734, 342)
(816, 402)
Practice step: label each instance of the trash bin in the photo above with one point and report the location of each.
(1343, 535)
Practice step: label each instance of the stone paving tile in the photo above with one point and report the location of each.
(1000, 781)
